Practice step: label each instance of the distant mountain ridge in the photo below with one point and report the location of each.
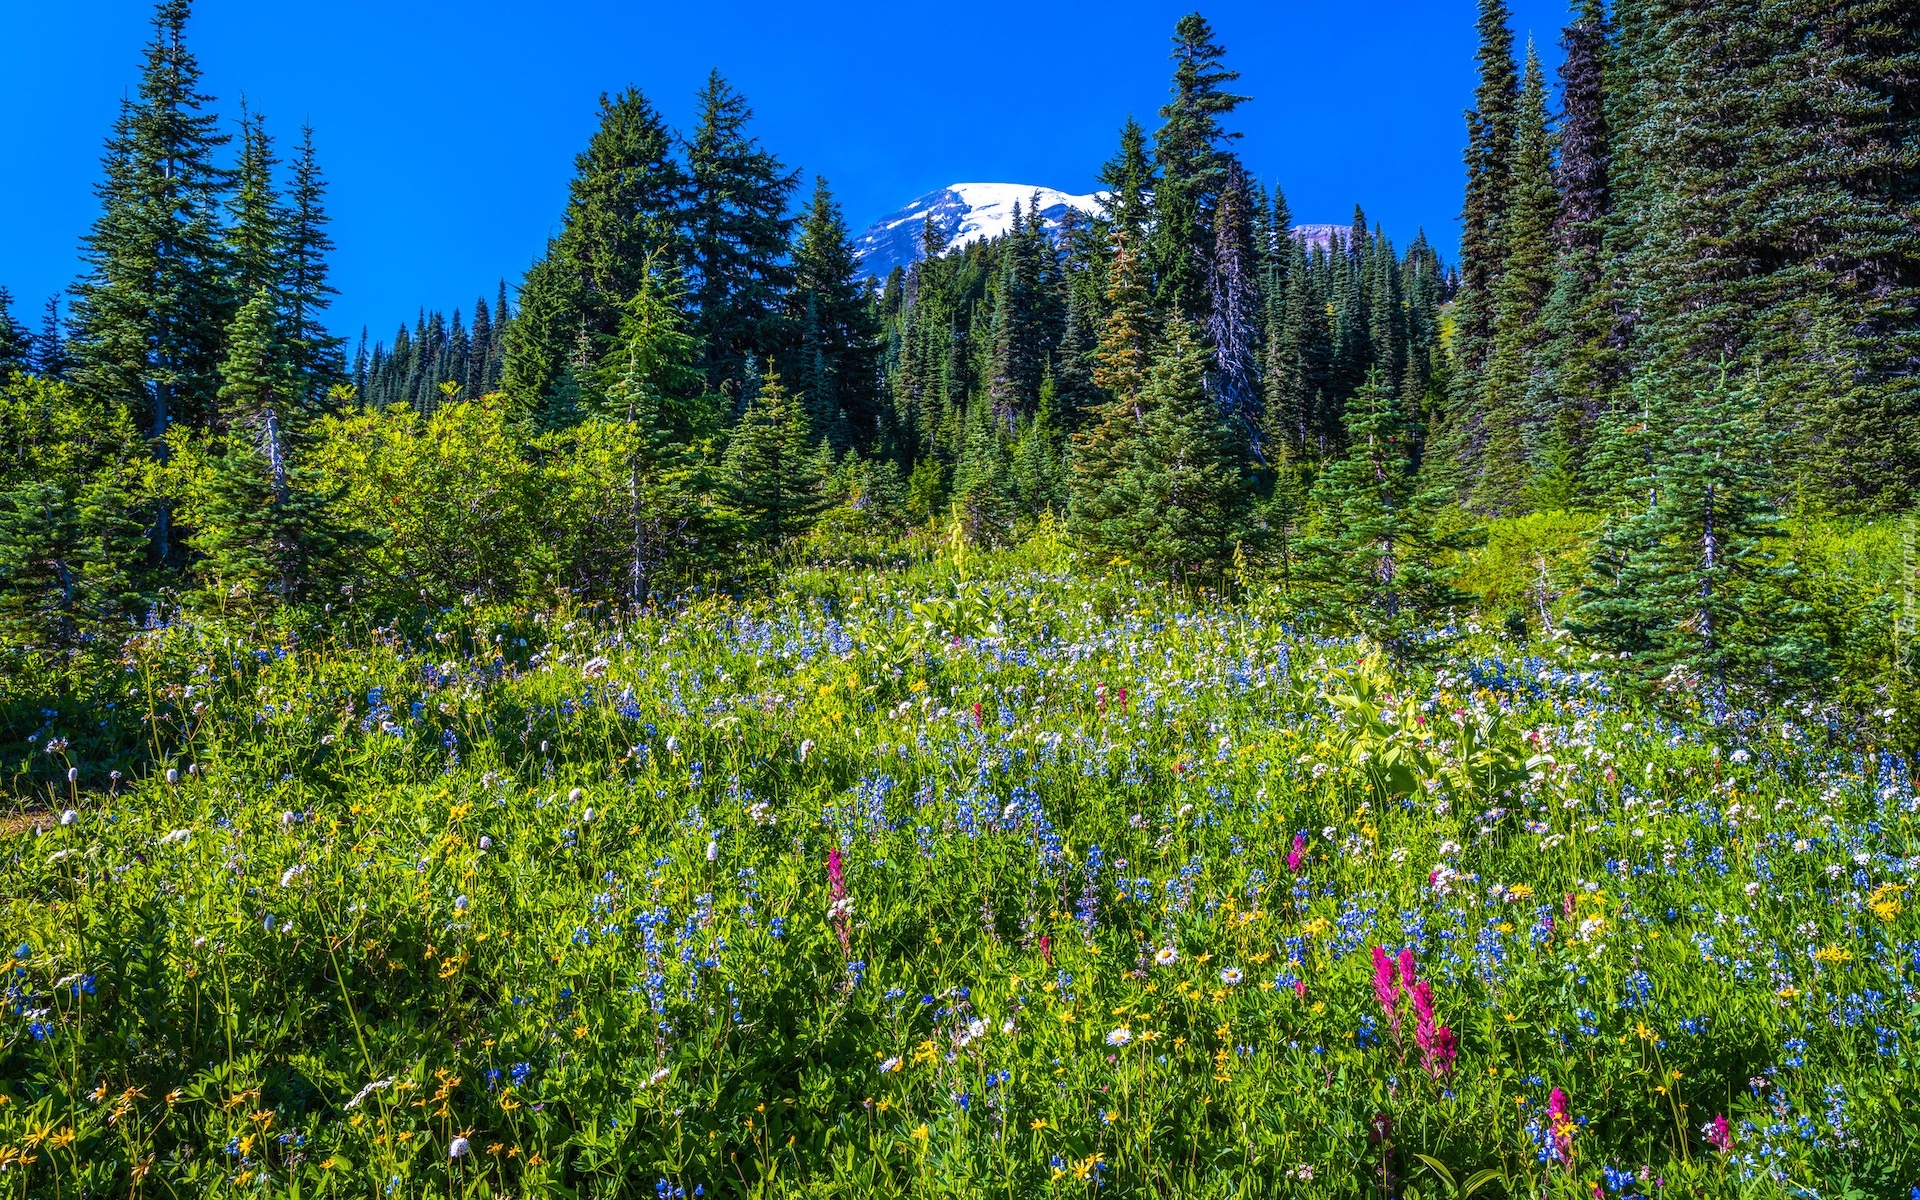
(973, 212)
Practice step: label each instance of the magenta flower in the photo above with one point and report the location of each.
(1438, 1045)
(1720, 1135)
(1386, 988)
(1560, 1118)
(1298, 854)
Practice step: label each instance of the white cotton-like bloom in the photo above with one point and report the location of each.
(173, 776)
(58, 855)
(289, 819)
(673, 744)
(69, 817)
(176, 837)
(1120, 1036)
(840, 909)
(458, 1148)
(713, 850)
(486, 843)
(806, 748)
(574, 796)
(1007, 1026)
(292, 873)
(586, 818)
(761, 813)
(594, 667)
(976, 1028)
(1165, 956)
(1752, 889)
(73, 774)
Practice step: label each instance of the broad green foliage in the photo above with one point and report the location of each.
(969, 880)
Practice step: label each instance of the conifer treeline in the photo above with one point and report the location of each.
(1727, 191)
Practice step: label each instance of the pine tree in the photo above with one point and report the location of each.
(622, 215)
(737, 232)
(770, 466)
(256, 224)
(1374, 550)
(1192, 162)
(150, 313)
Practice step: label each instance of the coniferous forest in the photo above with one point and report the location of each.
(1160, 702)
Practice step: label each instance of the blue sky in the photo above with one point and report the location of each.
(447, 130)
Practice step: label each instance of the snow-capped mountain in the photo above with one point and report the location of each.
(965, 212)
(972, 212)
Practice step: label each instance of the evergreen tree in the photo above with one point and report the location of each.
(1186, 478)
(150, 313)
(1511, 405)
(737, 232)
(1189, 152)
(1491, 133)
(1374, 549)
(622, 215)
(50, 359)
(16, 344)
(1019, 339)
(256, 224)
(314, 351)
(836, 350)
(1234, 316)
(770, 465)
(73, 547)
(1688, 579)
(1105, 446)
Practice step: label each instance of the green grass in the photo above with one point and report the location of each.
(562, 888)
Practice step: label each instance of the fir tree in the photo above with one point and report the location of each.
(150, 313)
(1189, 152)
(1374, 550)
(1233, 321)
(314, 351)
(50, 360)
(1510, 403)
(256, 224)
(16, 344)
(836, 349)
(1105, 446)
(770, 466)
(1491, 132)
(1186, 478)
(737, 235)
(1689, 578)
(623, 210)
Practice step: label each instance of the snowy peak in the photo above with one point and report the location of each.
(974, 212)
(965, 212)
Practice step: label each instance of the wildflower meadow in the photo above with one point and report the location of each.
(948, 882)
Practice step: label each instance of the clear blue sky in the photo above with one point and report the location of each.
(447, 130)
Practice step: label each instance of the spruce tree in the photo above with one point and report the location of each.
(256, 224)
(50, 359)
(622, 215)
(1105, 446)
(737, 233)
(151, 311)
